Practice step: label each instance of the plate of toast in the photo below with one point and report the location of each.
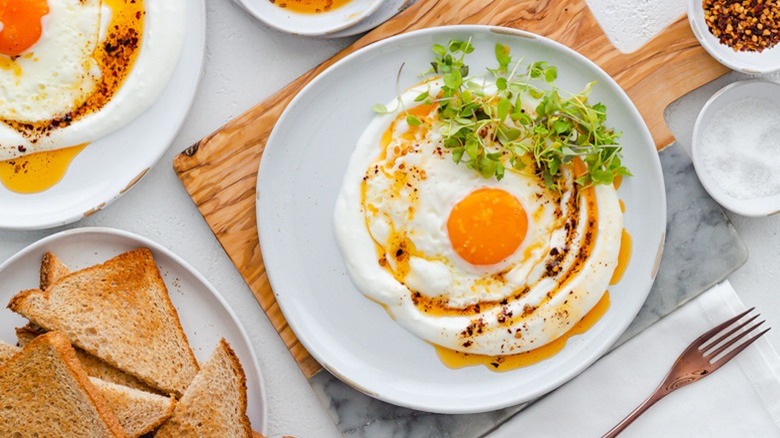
(112, 334)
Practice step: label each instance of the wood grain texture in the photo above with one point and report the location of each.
(220, 171)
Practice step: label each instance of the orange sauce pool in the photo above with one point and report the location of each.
(39, 171)
(310, 6)
(617, 181)
(456, 359)
(624, 256)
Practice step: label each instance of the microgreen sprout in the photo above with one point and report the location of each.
(490, 128)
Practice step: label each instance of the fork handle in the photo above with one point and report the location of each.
(639, 410)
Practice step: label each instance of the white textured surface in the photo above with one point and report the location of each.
(247, 62)
(630, 23)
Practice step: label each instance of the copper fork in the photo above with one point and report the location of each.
(699, 360)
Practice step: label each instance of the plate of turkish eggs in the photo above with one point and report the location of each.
(85, 103)
(424, 283)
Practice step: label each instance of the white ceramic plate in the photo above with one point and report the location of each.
(764, 62)
(724, 98)
(300, 176)
(204, 314)
(108, 167)
(387, 10)
(310, 24)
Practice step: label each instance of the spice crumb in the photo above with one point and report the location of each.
(744, 25)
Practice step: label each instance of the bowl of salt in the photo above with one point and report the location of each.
(736, 146)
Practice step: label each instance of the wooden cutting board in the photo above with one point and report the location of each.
(220, 171)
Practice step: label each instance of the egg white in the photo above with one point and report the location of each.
(59, 72)
(545, 308)
(439, 269)
(162, 41)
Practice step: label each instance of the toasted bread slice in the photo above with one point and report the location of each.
(52, 269)
(94, 366)
(215, 402)
(45, 392)
(119, 311)
(138, 412)
(7, 351)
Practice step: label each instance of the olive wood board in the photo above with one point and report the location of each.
(220, 171)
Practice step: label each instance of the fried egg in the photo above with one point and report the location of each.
(471, 264)
(72, 71)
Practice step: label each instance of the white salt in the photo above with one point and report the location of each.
(741, 148)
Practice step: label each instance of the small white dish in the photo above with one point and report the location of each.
(761, 63)
(204, 314)
(387, 10)
(726, 98)
(319, 24)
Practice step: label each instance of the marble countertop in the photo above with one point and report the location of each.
(246, 62)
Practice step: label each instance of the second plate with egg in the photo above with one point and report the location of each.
(111, 165)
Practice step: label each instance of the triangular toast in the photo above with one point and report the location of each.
(215, 403)
(119, 311)
(52, 269)
(138, 412)
(95, 367)
(45, 392)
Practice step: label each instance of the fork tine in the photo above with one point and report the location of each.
(714, 343)
(722, 361)
(693, 365)
(703, 338)
(731, 342)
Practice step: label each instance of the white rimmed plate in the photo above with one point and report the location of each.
(204, 314)
(110, 166)
(320, 24)
(299, 179)
(387, 10)
(765, 62)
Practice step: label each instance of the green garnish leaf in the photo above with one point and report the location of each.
(494, 131)
(421, 97)
(550, 74)
(503, 58)
(457, 154)
(453, 79)
(380, 109)
(504, 106)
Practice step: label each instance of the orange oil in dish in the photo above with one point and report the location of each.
(624, 256)
(310, 6)
(617, 181)
(456, 359)
(39, 171)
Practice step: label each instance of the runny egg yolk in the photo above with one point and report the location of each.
(20, 24)
(487, 226)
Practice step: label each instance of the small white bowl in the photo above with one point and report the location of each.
(725, 97)
(310, 24)
(765, 62)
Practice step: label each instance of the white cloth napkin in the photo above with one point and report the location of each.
(741, 399)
